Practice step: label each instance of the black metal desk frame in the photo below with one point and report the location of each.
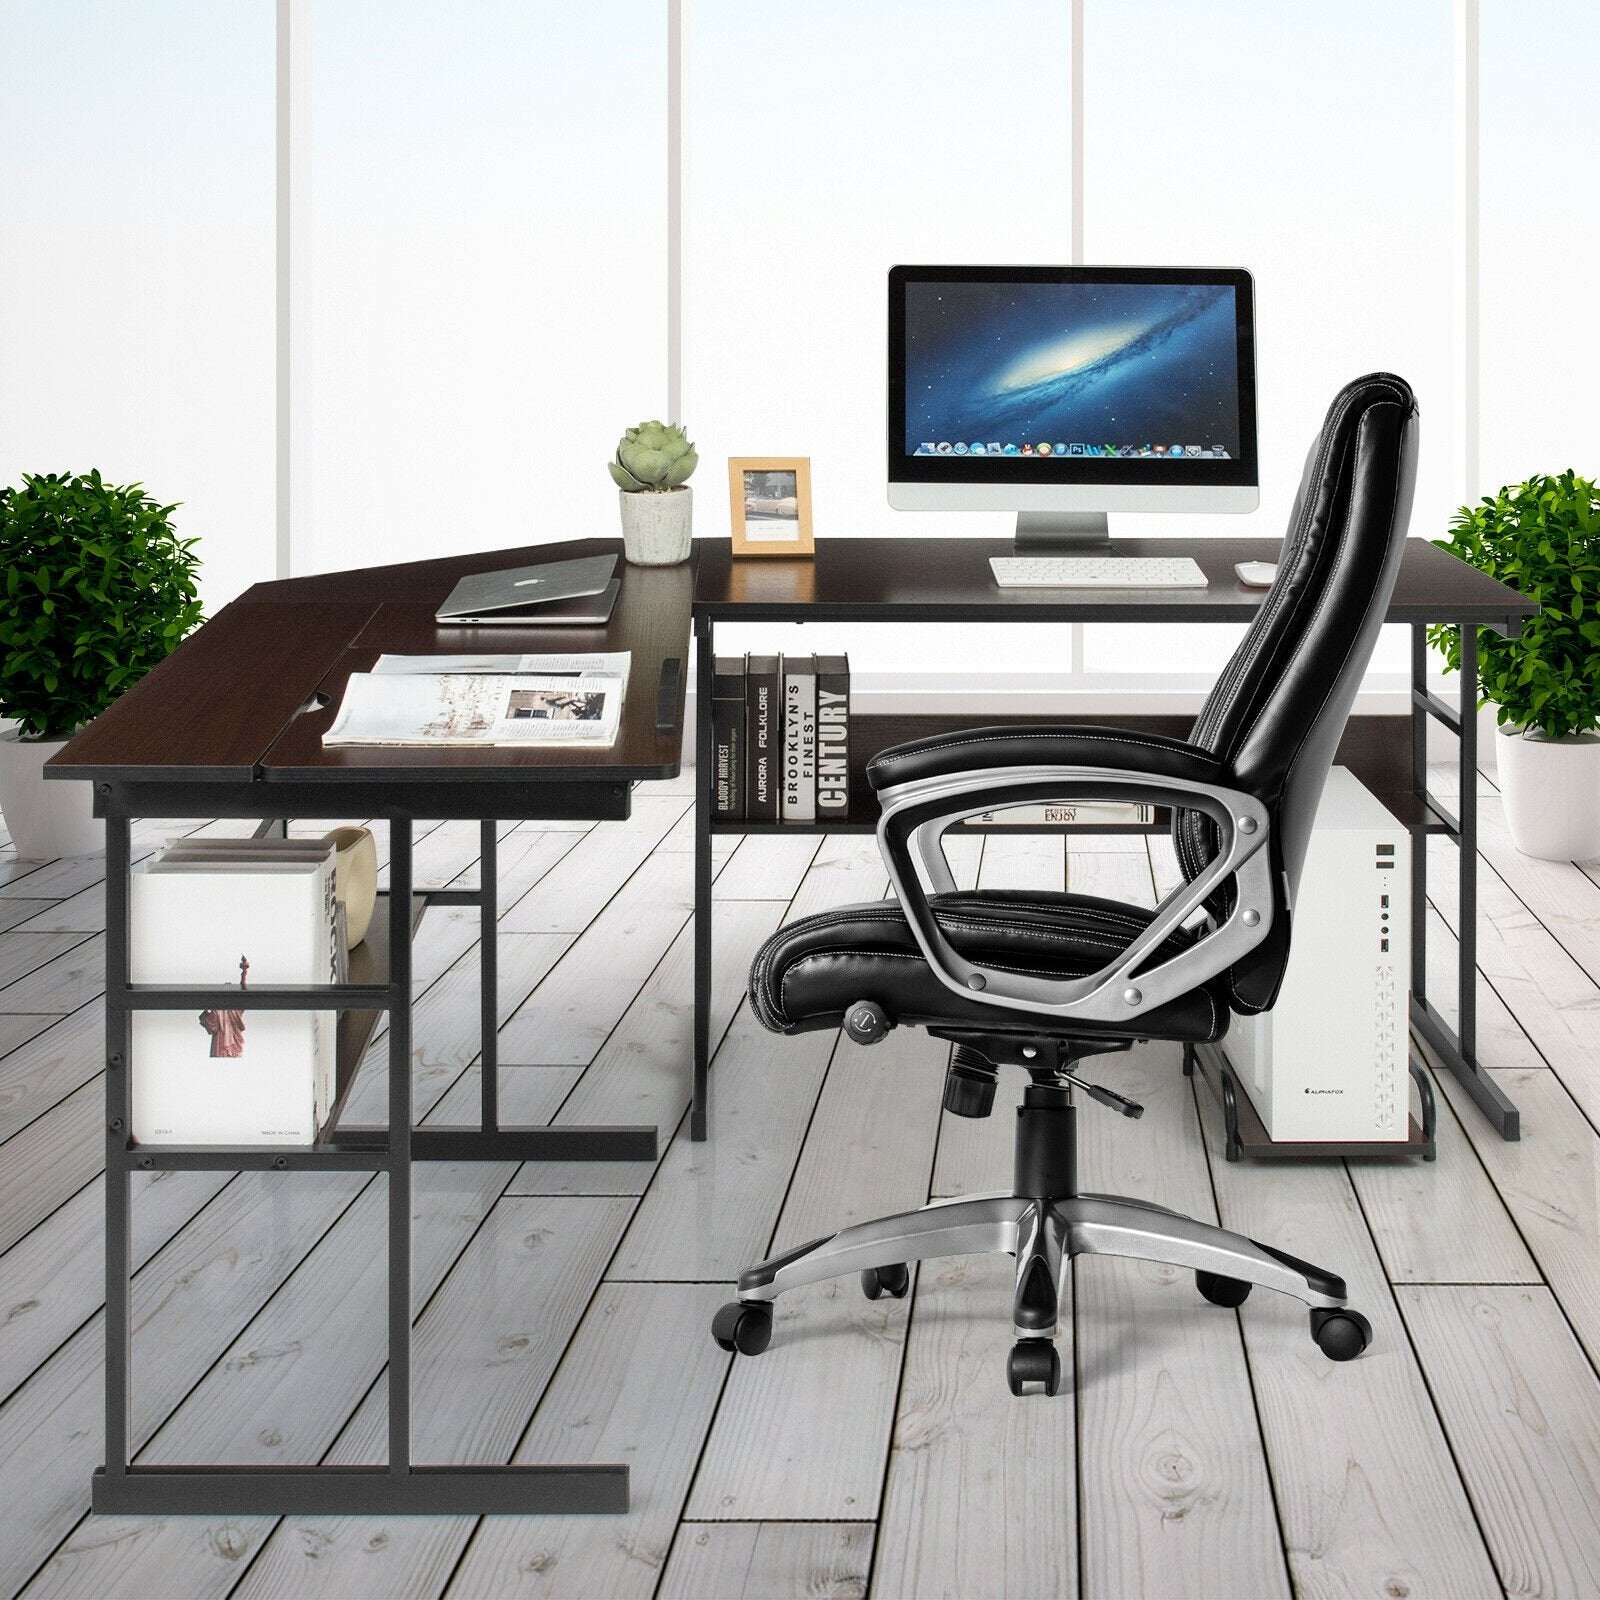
(400, 1485)
(1455, 1048)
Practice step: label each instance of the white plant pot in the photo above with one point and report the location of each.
(1551, 789)
(656, 527)
(45, 820)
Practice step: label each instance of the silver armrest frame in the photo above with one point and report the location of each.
(910, 834)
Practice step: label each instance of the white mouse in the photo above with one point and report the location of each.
(1256, 574)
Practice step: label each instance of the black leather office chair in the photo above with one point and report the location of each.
(1043, 980)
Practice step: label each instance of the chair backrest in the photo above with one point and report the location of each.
(1277, 711)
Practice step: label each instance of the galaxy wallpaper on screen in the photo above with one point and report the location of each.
(1070, 363)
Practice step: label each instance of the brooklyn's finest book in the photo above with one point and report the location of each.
(206, 918)
(727, 737)
(833, 737)
(799, 739)
(763, 745)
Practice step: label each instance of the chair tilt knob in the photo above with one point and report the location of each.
(866, 1022)
(969, 1085)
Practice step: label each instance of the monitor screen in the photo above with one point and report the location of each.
(1071, 374)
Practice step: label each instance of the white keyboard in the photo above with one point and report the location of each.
(1096, 572)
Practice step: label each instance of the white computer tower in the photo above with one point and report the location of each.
(1330, 1060)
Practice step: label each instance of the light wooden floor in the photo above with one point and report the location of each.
(562, 1311)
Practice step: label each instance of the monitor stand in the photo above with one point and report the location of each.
(1062, 533)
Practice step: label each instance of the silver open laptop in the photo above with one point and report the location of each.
(556, 594)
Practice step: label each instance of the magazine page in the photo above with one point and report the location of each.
(464, 709)
(601, 664)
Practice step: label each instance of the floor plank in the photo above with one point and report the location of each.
(1522, 1407)
(768, 1561)
(45, 1068)
(189, 1304)
(577, 888)
(1441, 1221)
(569, 1017)
(767, 866)
(711, 1208)
(606, 1403)
(1197, 1443)
(64, 982)
(53, 1281)
(802, 1431)
(25, 953)
(643, 1074)
(1163, 1383)
(1368, 1497)
(281, 1392)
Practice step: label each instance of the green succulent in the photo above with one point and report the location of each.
(653, 457)
(1542, 538)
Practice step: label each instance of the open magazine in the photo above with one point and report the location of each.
(468, 701)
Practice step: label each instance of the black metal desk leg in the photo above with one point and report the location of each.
(119, 1177)
(1455, 1047)
(1419, 837)
(488, 976)
(1467, 918)
(399, 1176)
(700, 1109)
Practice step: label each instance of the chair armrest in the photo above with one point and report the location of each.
(1084, 745)
(916, 812)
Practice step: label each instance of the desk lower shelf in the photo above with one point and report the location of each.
(1245, 1135)
(1376, 749)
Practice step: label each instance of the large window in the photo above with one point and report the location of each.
(487, 274)
(497, 255)
(136, 260)
(1541, 237)
(1310, 144)
(826, 143)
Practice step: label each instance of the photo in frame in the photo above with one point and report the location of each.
(770, 505)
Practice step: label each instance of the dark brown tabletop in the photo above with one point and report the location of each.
(249, 695)
(948, 580)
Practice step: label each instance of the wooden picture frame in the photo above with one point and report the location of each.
(766, 520)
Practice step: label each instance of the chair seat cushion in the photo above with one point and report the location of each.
(808, 973)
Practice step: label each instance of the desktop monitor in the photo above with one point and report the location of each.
(1064, 393)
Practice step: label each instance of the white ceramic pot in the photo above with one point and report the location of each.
(1552, 793)
(355, 879)
(45, 820)
(656, 526)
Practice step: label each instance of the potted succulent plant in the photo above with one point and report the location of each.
(1542, 538)
(652, 468)
(98, 589)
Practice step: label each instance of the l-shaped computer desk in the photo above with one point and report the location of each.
(948, 581)
(230, 725)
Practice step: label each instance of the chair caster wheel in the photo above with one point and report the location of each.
(744, 1326)
(894, 1281)
(1341, 1334)
(1222, 1291)
(1034, 1361)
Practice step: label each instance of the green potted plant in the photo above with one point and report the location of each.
(98, 589)
(651, 469)
(1542, 538)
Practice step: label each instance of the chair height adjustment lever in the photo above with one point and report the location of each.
(1106, 1097)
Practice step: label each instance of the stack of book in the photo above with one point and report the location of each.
(780, 738)
(234, 913)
